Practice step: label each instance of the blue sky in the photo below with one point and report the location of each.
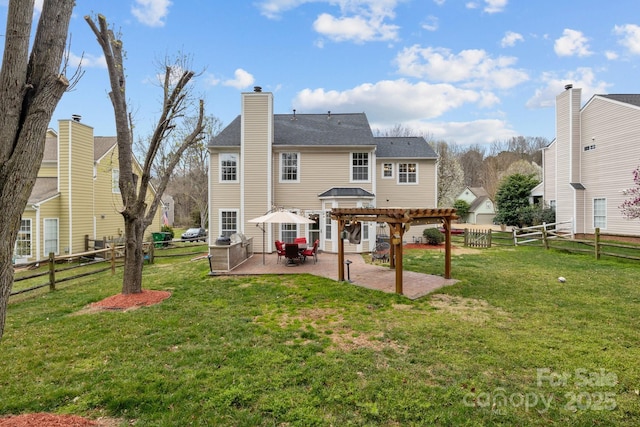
(464, 71)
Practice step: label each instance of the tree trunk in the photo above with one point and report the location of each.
(31, 85)
(134, 255)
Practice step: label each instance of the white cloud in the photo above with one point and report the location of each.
(510, 39)
(430, 23)
(242, 79)
(495, 6)
(583, 78)
(439, 2)
(357, 28)
(392, 101)
(572, 43)
(631, 37)
(358, 20)
(151, 12)
(273, 9)
(38, 6)
(491, 6)
(87, 61)
(611, 55)
(472, 67)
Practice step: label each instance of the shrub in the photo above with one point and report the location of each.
(433, 236)
(462, 209)
(167, 229)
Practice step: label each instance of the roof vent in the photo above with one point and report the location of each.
(294, 114)
(257, 89)
(567, 87)
(76, 117)
(328, 114)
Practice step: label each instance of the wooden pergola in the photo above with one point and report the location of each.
(398, 220)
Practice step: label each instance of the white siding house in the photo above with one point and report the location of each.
(591, 161)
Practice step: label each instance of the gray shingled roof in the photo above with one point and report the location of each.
(346, 192)
(404, 147)
(330, 130)
(43, 189)
(633, 99)
(101, 144)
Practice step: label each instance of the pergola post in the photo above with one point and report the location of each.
(398, 220)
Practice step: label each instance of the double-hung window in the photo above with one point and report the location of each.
(228, 167)
(23, 242)
(600, 213)
(387, 170)
(228, 222)
(359, 167)
(115, 181)
(289, 167)
(407, 173)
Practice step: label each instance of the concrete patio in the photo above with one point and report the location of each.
(377, 277)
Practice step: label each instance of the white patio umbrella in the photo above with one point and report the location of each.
(279, 217)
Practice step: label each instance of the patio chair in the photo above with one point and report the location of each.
(381, 252)
(280, 249)
(300, 240)
(312, 252)
(291, 253)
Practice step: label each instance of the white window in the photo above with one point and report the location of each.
(51, 236)
(23, 242)
(407, 173)
(359, 166)
(365, 231)
(289, 167)
(115, 178)
(228, 222)
(552, 204)
(387, 170)
(600, 213)
(228, 167)
(288, 232)
(327, 225)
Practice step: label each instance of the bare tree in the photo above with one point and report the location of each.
(31, 85)
(189, 182)
(137, 214)
(450, 174)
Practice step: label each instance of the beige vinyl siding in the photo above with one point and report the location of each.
(222, 196)
(48, 170)
(549, 178)
(614, 129)
(564, 192)
(257, 134)
(392, 194)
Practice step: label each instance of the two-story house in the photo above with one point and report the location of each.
(76, 194)
(310, 164)
(591, 161)
(481, 207)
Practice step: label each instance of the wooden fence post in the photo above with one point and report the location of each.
(52, 271)
(596, 244)
(489, 236)
(545, 238)
(113, 259)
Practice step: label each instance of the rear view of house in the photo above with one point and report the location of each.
(591, 161)
(310, 164)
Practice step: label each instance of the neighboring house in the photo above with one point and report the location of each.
(591, 161)
(481, 207)
(310, 164)
(76, 194)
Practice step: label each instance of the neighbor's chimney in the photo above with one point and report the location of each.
(257, 89)
(76, 117)
(567, 87)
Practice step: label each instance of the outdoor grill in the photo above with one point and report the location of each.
(239, 238)
(223, 241)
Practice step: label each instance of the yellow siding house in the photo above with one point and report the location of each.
(75, 195)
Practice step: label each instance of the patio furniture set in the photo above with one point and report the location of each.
(296, 253)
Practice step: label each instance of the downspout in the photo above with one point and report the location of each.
(37, 209)
(69, 189)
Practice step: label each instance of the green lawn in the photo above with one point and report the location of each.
(508, 345)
